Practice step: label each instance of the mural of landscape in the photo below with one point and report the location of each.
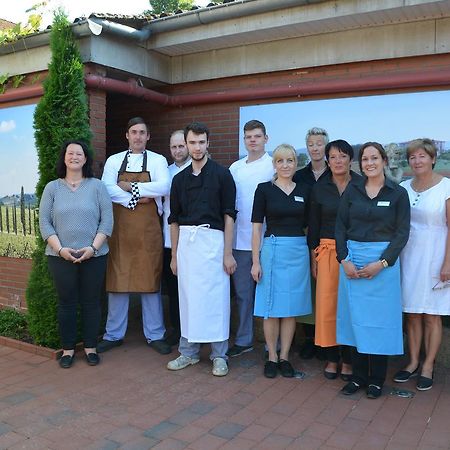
(18, 178)
(389, 119)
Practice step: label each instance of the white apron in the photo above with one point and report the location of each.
(203, 284)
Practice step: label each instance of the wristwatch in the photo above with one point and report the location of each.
(95, 250)
(384, 262)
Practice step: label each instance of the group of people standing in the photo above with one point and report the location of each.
(282, 235)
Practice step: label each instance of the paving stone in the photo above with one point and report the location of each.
(184, 417)
(104, 444)
(4, 428)
(226, 430)
(142, 443)
(19, 397)
(62, 417)
(170, 444)
(162, 430)
(202, 407)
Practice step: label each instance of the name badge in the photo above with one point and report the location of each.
(383, 203)
(298, 199)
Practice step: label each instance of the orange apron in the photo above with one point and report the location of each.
(136, 245)
(326, 293)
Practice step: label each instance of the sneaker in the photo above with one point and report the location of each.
(181, 362)
(237, 350)
(373, 391)
(402, 376)
(105, 345)
(220, 367)
(161, 346)
(350, 388)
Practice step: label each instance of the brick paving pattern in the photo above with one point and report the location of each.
(131, 401)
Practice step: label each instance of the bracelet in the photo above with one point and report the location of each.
(384, 263)
(59, 251)
(94, 249)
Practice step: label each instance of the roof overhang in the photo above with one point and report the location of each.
(251, 36)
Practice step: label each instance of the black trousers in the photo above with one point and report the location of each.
(369, 369)
(78, 283)
(171, 283)
(335, 353)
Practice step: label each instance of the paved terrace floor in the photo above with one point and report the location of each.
(131, 401)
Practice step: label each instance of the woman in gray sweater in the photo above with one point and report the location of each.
(75, 218)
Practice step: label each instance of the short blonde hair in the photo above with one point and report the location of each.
(424, 144)
(316, 131)
(281, 151)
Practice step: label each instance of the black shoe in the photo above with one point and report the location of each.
(286, 368)
(173, 339)
(92, 359)
(321, 354)
(105, 345)
(402, 376)
(308, 350)
(237, 350)
(270, 369)
(350, 388)
(330, 375)
(424, 383)
(346, 376)
(161, 346)
(66, 361)
(373, 391)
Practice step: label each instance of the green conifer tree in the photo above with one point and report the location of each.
(61, 114)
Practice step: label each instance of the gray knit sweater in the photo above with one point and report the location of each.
(75, 216)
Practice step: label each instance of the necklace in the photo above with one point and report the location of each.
(286, 189)
(425, 187)
(73, 183)
(319, 172)
(341, 186)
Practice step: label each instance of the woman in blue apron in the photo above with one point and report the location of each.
(372, 227)
(281, 269)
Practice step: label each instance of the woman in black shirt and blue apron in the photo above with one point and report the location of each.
(372, 227)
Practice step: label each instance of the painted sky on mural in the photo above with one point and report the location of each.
(382, 118)
(18, 157)
(15, 10)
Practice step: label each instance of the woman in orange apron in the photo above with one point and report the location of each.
(325, 198)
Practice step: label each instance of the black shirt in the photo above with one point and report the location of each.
(384, 218)
(286, 215)
(204, 198)
(306, 175)
(323, 207)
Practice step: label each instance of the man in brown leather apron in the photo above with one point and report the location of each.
(136, 180)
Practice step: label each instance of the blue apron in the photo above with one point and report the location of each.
(285, 287)
(369, 313)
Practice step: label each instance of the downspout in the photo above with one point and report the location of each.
(433, 77)
(97, 26)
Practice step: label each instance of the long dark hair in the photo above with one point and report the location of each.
(61, 168)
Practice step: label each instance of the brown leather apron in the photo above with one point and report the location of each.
(136, 245)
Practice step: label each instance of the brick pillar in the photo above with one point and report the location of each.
(97, 122)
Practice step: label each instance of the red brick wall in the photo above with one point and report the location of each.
(14, 273)
(223, 119)
(97, 121)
